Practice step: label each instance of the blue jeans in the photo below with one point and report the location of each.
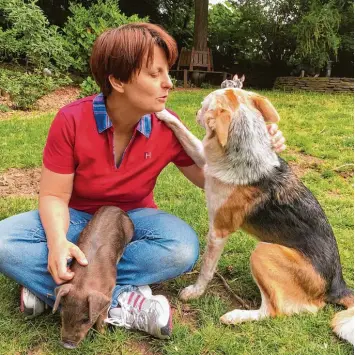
(163, 247)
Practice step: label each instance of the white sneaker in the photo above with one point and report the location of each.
(30, 305)
(139, 309)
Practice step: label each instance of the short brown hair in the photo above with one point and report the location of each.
(120, 52)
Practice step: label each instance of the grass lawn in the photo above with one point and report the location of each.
(319, 132)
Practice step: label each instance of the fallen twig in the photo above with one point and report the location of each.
(341, 166)
(225, 283)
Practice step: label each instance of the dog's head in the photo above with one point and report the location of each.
(221, 107)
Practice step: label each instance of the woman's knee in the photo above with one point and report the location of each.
(13, 231)
(185, 250)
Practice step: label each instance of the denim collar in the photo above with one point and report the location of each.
(103, 122)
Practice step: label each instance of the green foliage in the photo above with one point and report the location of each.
(86, 24)
(282, 32)
(317, 35)
(207, 86)
(252, 31)
(28, 37)
(174, 82)
(88, 87)
(4, 108)
(26, 88)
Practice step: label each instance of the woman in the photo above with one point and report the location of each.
(109, 149)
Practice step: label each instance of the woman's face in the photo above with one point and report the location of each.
(148, 91)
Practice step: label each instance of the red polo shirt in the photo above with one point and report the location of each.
(80, 141)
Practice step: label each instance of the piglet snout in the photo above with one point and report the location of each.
(69, 344)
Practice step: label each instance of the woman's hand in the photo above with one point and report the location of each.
(277, 138)
(58, 257)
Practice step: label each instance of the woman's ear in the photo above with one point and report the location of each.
(116, 84)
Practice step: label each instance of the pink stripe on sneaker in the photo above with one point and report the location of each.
(130, 297)
(141, 303)
(137, 298)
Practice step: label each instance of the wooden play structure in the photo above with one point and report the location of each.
(198, 62)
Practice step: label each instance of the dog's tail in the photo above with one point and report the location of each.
(343, 322)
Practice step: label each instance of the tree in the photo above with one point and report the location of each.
(201, 25)
(317, 35)
(175, 16)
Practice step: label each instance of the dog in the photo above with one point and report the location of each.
(234, 83)
(296, 265)
(86, 298)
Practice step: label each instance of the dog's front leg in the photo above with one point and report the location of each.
(191, 144)
(214, 249)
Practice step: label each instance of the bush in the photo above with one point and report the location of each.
(26, 88)
(28, 37)
(85, 25)
(4, 108)
(88, 87)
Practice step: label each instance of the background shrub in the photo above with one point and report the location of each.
(86, 24)
(88, 87)
(26, 88)
(26, 37)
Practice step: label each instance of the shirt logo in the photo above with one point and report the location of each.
(147, 155)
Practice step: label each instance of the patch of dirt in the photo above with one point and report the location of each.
(20, 182)
(36, 351)
(304, 163)
(50, 102)
(334, 193)
(58, 98)
(345, 174)
(141, 348)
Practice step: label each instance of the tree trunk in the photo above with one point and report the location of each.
(201, 24)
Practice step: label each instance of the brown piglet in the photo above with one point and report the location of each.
(86, 298)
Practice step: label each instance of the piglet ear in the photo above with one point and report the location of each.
(242, 78)
(98, 303)
(235, 77)
(266, 108)
(60, 292)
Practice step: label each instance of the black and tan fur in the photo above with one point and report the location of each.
(296, 264)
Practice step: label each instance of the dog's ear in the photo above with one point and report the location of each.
(60, 292)
(98, 302)
(220, 122)
(242, 78)
(266, 108)
(235, 77)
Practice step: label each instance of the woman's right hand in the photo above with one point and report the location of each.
(58, 257)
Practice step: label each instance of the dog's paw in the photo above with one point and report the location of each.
(166, 116)
(239, 316)
(191, 292)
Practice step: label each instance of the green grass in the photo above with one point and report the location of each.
(317, 126)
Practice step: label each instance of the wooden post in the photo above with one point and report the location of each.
(224, 75)
(185, 78)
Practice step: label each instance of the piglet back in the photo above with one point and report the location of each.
(105, 235)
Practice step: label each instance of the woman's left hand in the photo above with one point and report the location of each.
(277, 138)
